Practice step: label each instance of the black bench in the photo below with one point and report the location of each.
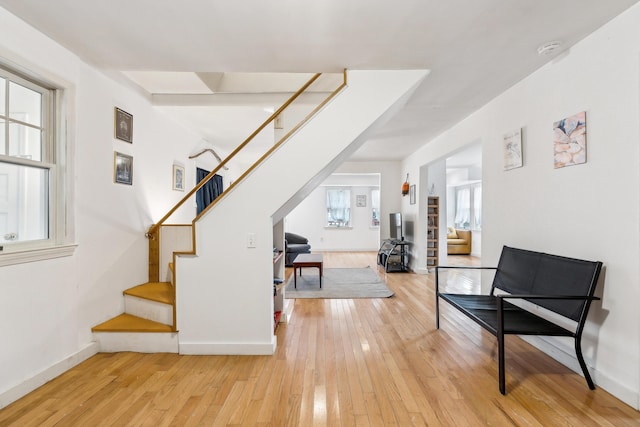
(562, 285)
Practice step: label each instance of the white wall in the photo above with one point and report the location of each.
(423, 176)
(576, 211)
(48, 307)
(230, 281)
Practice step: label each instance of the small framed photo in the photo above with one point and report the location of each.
(178, 178)
(361, 200)
(122, 168)
(123, 125)
(412, 195)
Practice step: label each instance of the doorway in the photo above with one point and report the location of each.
(464, 201)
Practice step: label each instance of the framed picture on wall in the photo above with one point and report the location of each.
(412, 195)
(122, 168)
(570, 141)
(123, 125)
(178, 178)
(512, 150)
(361, 200)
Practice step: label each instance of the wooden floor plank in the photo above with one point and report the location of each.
(364, 362)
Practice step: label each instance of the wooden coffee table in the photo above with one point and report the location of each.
(307, 260)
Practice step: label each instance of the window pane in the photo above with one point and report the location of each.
(375, 208)
(3, 143)
(25, 104)
(338, 208)
(463, 208)
(477, 207)
(3, 85)
(24, 194)
(25, 142)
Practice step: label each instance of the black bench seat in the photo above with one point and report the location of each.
(483, 310)
(562, 285)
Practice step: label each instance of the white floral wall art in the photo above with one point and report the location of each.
(513, 150)
(570, 141)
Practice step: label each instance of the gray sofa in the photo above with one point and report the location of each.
(294, 244)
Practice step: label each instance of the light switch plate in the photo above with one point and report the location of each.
(251, 240)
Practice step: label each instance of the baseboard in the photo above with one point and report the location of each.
(140, 342)
(421, 270)
(567, 357)
(245, 349)
(47, 375)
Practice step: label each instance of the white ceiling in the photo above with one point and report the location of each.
(474, 49)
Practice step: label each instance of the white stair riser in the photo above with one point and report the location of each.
(152, 310)
(141, 342)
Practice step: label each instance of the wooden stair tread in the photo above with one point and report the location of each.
(153, 291)
(128, 323)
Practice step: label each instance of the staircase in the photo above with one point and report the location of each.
(146, 326)
(233, 281)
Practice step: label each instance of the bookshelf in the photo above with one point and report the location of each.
(433, 231)
(278, 274)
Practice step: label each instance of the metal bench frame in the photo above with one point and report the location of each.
(562, 285)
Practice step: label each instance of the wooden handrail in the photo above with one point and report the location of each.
(277, 144)
(152, 230)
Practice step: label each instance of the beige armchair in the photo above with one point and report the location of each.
(458, 241)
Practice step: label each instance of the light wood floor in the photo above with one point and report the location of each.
(338, 363)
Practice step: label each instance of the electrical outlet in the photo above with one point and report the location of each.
(251, 240)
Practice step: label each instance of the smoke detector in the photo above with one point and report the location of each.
(548, 48)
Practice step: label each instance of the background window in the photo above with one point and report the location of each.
(477, 207)
(375, 208)
(338, 208)
(469, 207)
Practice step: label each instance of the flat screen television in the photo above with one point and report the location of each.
(395, 226)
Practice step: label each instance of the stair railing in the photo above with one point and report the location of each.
(153, 234)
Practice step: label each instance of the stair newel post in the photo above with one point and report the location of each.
(154, 253)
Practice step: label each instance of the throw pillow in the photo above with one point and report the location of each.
(451, 233)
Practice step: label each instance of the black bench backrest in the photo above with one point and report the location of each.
(527, 272)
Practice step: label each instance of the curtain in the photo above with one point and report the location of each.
(463, 208)
(477, 207)
(209, 192)
(375, 208)
(338, 208)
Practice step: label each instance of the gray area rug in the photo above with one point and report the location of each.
(338, 283)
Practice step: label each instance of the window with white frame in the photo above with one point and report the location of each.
(338, 207)
(477, 206)
(30, 212)
(375, 208)
(468, 207)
